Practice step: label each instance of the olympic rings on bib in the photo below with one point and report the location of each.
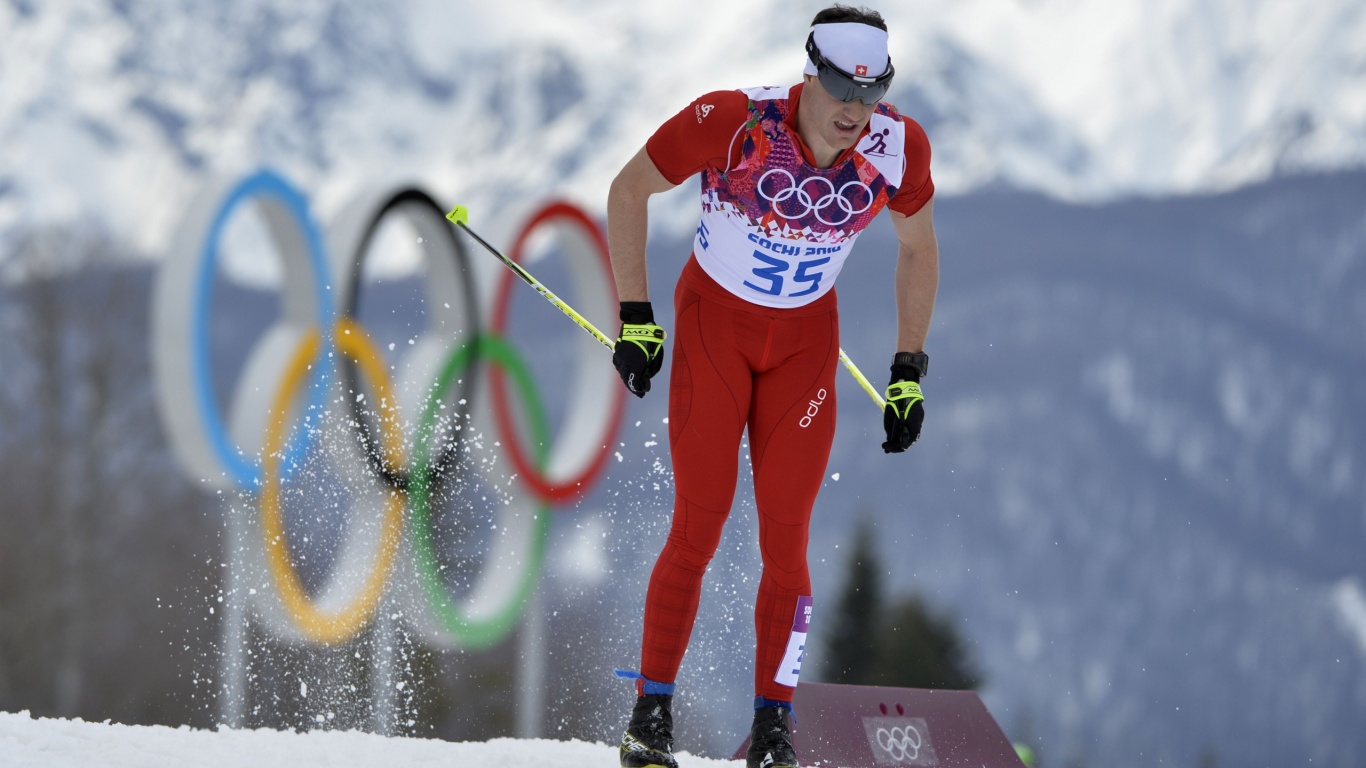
(316, 365)
(843, 200)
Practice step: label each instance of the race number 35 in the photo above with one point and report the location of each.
(773, 269)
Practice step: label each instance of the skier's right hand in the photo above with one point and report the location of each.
(639, 351)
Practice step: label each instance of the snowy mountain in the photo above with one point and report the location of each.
(113, 112)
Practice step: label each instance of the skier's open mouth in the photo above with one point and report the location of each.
(846, 127)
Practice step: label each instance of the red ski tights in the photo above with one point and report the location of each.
(736, 364)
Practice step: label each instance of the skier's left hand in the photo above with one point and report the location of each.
(905, 410)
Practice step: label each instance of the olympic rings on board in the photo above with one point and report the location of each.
(901, 743)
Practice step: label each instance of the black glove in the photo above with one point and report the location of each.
(905, 410)
(639, 351)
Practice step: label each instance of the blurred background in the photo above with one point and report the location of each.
(1135, 521)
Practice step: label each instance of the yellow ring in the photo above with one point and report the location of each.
(315, 624)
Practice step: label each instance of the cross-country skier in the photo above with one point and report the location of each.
(790, 177)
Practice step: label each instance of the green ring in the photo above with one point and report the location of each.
(474, 634)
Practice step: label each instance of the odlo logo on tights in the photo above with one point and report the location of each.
(813, 407)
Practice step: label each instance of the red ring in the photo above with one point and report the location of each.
(547, 490)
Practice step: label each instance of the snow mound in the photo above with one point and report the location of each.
(26, 741)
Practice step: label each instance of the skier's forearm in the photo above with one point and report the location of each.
(917, 277)
(917, 282)
(627, 231)
(628, 224)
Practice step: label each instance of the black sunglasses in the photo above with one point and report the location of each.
(844, 86)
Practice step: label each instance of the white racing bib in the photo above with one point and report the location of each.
(775, 230)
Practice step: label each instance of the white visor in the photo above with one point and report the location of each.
(856, 48)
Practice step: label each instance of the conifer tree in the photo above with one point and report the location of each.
(851, 643)
(921, 648)
(906, 645)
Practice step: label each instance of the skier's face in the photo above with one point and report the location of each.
(825, 120)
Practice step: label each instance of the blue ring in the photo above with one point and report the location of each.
(264, 183)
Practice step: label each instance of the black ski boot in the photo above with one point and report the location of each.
(770, 741)
(649, 739)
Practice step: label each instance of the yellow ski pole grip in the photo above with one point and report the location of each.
(460, 216)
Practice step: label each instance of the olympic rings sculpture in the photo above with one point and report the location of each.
(815, 205)
(413, 445)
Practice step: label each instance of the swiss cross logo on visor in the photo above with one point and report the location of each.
(861, 70)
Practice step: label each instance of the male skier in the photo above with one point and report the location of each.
(790, 177)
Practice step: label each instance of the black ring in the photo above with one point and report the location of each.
(366, 432)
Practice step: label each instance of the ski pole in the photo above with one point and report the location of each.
(863, 382)
(460, 216)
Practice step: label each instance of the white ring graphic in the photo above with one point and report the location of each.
(814, 205)
(900, 743)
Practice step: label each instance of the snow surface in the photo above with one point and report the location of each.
(25, 741)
